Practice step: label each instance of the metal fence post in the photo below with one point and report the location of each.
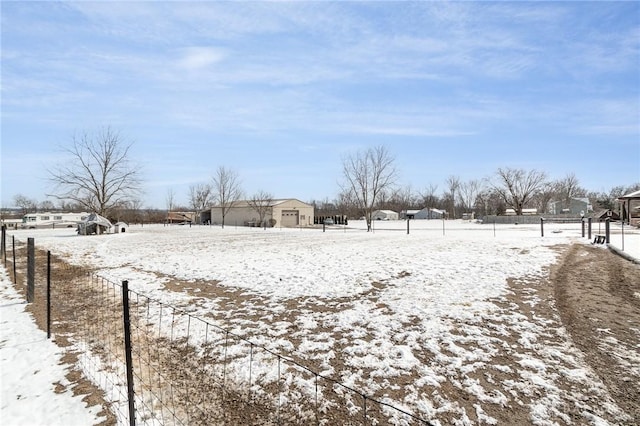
(607, 231)
(589, 227)
(31, 269)
(13, 248)
(542, 227)
(127, 352)
(3, 244)
(48, 294)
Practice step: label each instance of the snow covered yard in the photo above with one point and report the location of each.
(453, 322)
(34, 387)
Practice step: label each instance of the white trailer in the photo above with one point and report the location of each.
(52, 220)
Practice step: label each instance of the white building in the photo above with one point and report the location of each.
(385, 215)
(408, 214)
(525, 212)
(430, 213)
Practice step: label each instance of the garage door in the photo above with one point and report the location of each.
(290, 218)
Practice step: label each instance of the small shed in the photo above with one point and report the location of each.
(606, 214)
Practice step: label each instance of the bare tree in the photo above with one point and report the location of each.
(453, 183)
(516, 187)
(261, 202)
(368, 174)
(200, 196)
(98, 175)
(134, 211)
(170, 199)
(544, 195)
(346, 204)
(47, 206)
(567, 189)
(227, 189)
(469, 192)
(429, 197)
(25, 204)
(400, 200)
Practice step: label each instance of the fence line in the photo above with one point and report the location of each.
(189, 371)
(199, 372)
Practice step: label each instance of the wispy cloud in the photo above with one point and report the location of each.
(199, 58)
(195, 80)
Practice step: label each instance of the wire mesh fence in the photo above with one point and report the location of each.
(187, 370)
(190, 371)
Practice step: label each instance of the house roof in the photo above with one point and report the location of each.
(95, 218)
(606, 213)
(581, 199)
(631, 196)
(178, 216)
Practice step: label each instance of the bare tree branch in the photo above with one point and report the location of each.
(200, 197)
(227, 189)
(367, 175)
(261, 202)
(99, 175)
(453, 183)
(516, 187)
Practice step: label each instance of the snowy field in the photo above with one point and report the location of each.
(419, 319)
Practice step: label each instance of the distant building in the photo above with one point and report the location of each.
(288, 212)
(11, 223)
(525, 212)
(430, 213)
(385, 215)
(576, 206)
(408, 214)
(180, 217)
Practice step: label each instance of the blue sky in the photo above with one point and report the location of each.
(281, 92)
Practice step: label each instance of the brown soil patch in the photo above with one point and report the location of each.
(591, 291)
(597, 295)
(63, 278)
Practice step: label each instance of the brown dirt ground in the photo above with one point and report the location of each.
(598, 297)
(594, 292)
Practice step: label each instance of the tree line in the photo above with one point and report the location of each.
(370, 183)
(101, 177)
